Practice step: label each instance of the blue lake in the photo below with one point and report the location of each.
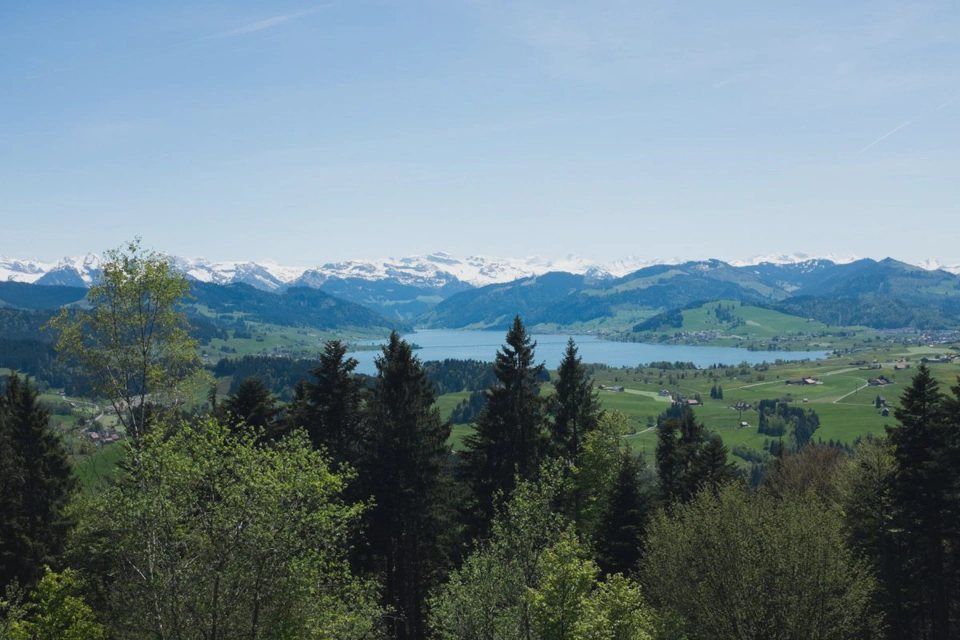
(441, 344)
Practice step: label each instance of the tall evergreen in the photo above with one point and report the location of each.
(669, 460)
(403, 468)
(329, 406)
(510, 438)
(927, 494)
(709, 468)
(252, 404)
(36, 482)
(575, 406)
(688, 459)
(623, 524)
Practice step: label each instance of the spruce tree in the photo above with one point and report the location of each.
(669, 460)
(686, 456)
(36, 483)
(252, 404)
(403, 469)
(510, 438)
(623, 524)
(575, 406)
(926, 486)
(329, 406)
(709, 468)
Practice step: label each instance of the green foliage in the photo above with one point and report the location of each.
(469, 408)
(779, 418)
(632, 502)
(36, 484)
(451, 376)
(403, 464)
(58, 611)
(510, 439)
(134, 341)
(672, 319)
(329, 406)
(865, 488)
(575, 406)
(279, 375)
(740, 565)
(533, 579)
(926, 489)
(213, 535)
(689, 459)
(252, 404)
(595, 472)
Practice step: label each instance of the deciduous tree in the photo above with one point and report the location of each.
(133, 342)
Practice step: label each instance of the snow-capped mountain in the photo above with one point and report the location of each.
(440, 269)
(265, 275)
(14, 270)
(932, 265)
(795, 258)
(73, 272)
(434, 271)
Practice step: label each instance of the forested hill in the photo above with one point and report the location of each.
(30, 296)
(880, 294)
(294, 307)
(298, 306)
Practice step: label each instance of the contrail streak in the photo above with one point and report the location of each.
(886, 135)
(908, 123)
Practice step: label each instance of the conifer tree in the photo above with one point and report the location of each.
(687, 459)
(252, 404)
(709, 468)
(576, 406)
(329, 407)
(669, 460)
(510, 439)
(403, 469)
(623, 524)
(927, 494)
(36, 483)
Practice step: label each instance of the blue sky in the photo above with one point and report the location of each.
(308, 132)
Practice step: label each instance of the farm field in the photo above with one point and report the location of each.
(843, 398)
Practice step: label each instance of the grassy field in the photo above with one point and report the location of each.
(843, 399)
(266, 339)
(744, 325)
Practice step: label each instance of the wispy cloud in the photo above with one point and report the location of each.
(260, 25)
(908, 123)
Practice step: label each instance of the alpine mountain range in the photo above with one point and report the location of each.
(442, 291)
(436, 270)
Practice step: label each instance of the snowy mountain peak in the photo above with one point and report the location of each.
(792, 258)
(435, 270)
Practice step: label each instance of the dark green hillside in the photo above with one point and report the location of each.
(390, 298)
(875, 311)
(495, 305)
(22, 324)
(793, 277)
(31, 296)
(887, 277)
(298, 306)
(700, 272)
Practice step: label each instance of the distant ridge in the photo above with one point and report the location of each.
(433, 271)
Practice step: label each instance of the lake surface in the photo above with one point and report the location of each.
(440, 344)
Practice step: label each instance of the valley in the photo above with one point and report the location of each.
(764, 323)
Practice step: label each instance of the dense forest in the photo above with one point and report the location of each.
(342, 512)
